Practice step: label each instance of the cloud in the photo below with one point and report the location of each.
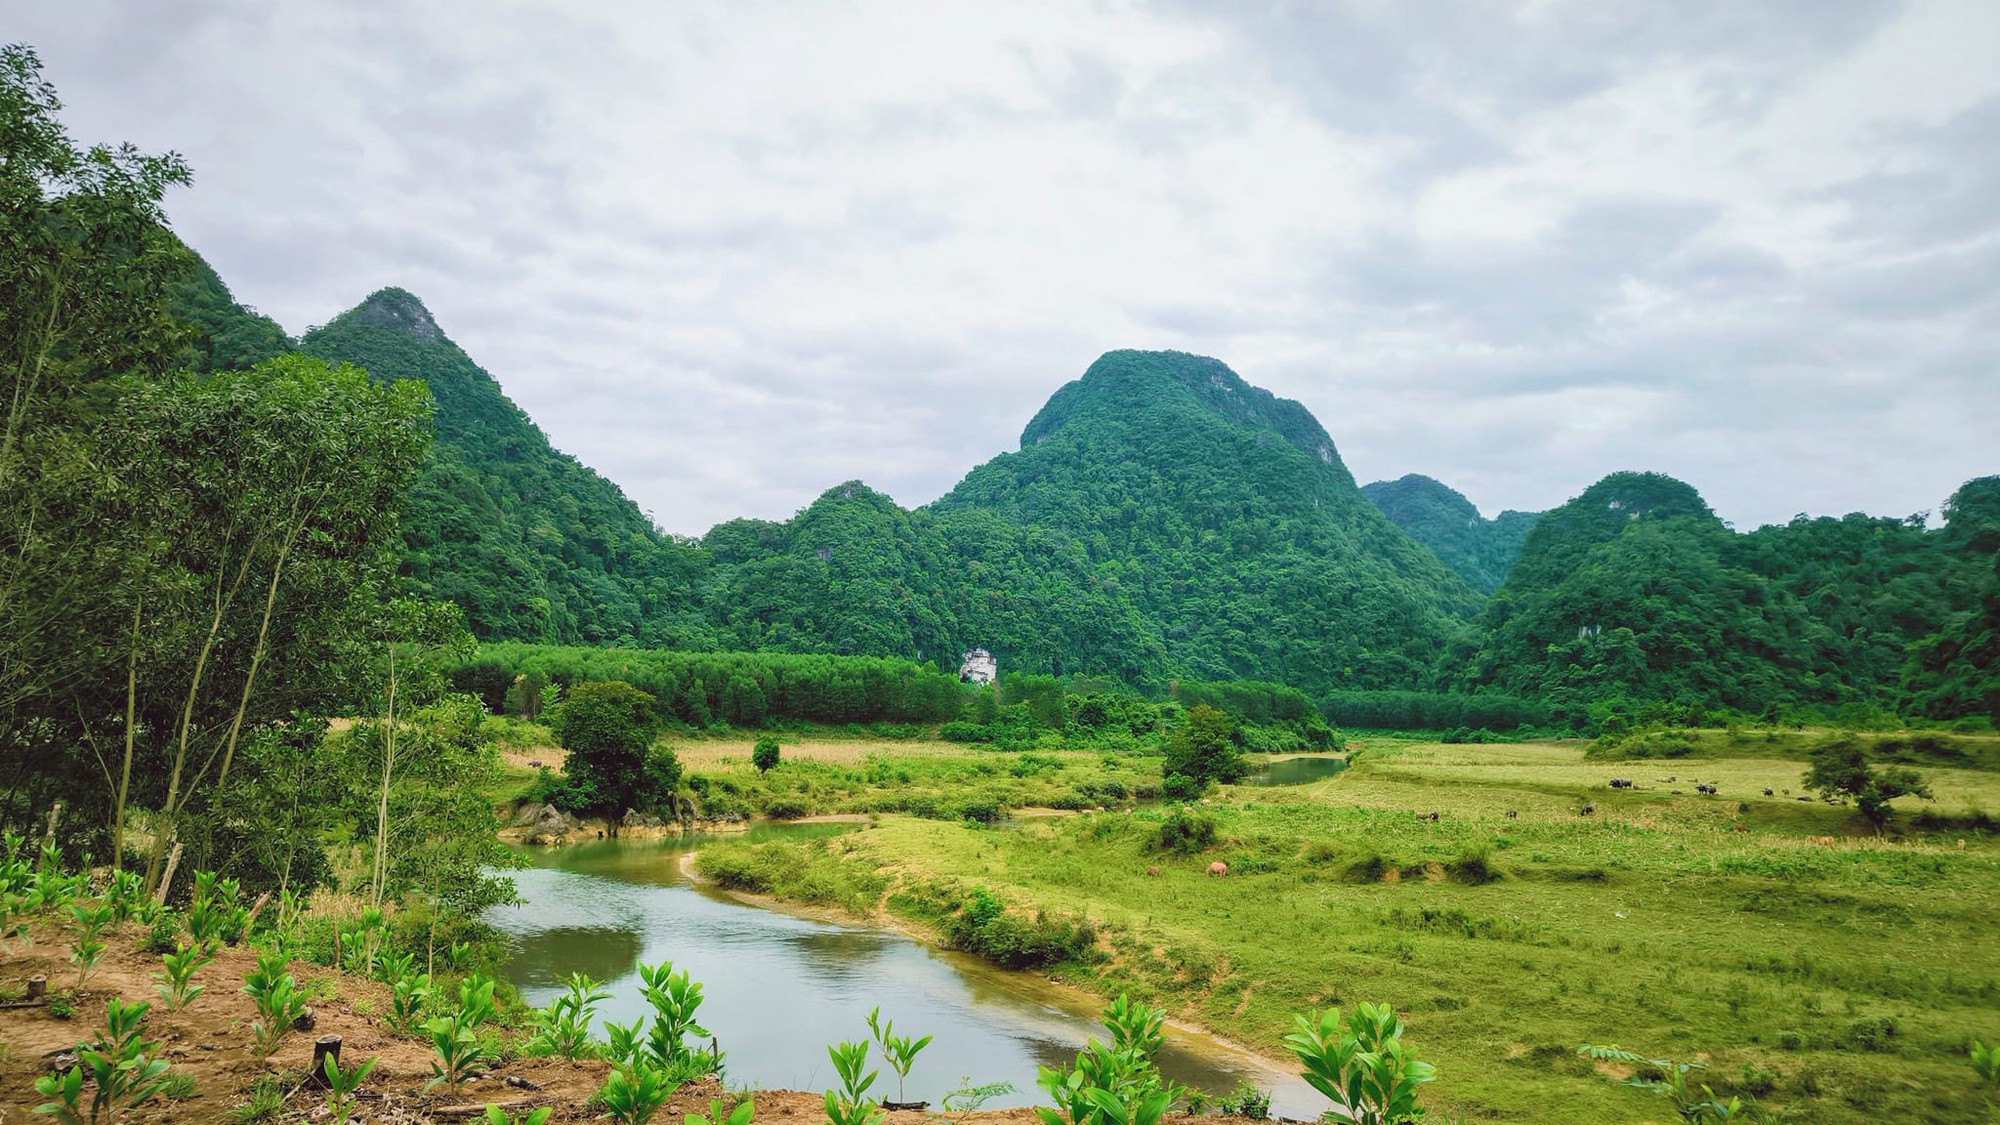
(730, 255)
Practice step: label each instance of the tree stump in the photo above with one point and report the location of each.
(305, 1020)
(37, 988)
(325, 1047)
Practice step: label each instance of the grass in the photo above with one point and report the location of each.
(1843, 981)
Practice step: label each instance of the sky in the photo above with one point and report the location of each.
(733, 254)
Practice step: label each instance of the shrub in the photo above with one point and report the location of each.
(1369, 869)
(786, 808)
(1184, 832)
(1473, 867)
(982, 926)
(764, 755)
(961, 731)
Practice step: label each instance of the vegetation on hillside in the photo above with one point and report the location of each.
(1480, 550)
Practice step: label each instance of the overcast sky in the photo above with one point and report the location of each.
(732, 254)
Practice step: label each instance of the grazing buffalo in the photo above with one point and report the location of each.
(1586, 810)
(1153, 871)
(1621, 783)
(1511, 814)
(1218, 868)
(1705, 787)
(1768, 793)
(1822, 841)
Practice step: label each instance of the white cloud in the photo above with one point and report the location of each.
(732, 254)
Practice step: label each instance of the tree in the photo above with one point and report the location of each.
(1840, 769)
(1203, 748)
(607, 727)
(764, 755)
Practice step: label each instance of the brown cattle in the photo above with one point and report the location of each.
(1153, 871)
(1822, 841)
(1218, 868)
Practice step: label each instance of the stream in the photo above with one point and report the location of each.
(778, 988)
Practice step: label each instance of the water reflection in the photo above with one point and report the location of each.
(1297, 771)
(601, 954)
(780, 988)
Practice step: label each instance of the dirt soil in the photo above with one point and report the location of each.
(210, 1042)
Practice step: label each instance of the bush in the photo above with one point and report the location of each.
(1180, 787)
(960, 731)
(1872, 1034)
(1473, 867)
(1184, 832)
(982, 926)
(786, 808)
(1370, 869)
(982, 810)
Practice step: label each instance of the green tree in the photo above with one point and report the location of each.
(1840, 769)
(1203, 748)
(607, 727)
(764, 755)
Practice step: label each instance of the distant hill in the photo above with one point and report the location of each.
(1227, 521)
(1635, 592)
(534, 545)
(1478, 549)
(1164, 519)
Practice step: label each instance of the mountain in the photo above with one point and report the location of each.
(1229, 524)
(1635, 592)
(226, 335)
(1164, 519)
(1478, 549)
(1161, 519)
(534, 545)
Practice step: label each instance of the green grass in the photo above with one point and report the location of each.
(1843, 980)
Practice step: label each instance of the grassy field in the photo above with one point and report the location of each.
(1841, 980)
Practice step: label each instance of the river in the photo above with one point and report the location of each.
(778, 988)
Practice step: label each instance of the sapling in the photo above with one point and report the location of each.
(341, 1084)
(1364, 1068)
(407, 998)
(674, 997)
(177, 985)
(850, 1104)
(120, 1066)
(89, 947)
(969, 1097)
(455, 1037)
(722, 1114)
(901, 1051)
(278, 1002)
(632, 1096)
(563, 1028)
(497, 1116)
(624, 1044)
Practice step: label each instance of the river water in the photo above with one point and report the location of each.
(778, 989)
(1298, 770)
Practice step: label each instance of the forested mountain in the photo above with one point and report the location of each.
(1224, 517)
(1635, 592)
(1441, 518)
(1162, 518)
(531, 543)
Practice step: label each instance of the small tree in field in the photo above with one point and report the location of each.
(1840, 769)
(1203, 748)
(607, 727)
(765, 754)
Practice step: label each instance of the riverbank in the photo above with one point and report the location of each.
(219, 1077)
(1750, 933)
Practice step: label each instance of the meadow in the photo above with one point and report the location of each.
(1800, 958)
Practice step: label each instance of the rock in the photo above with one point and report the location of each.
(633, 818)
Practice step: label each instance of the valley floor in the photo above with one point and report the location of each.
(1801, 959)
